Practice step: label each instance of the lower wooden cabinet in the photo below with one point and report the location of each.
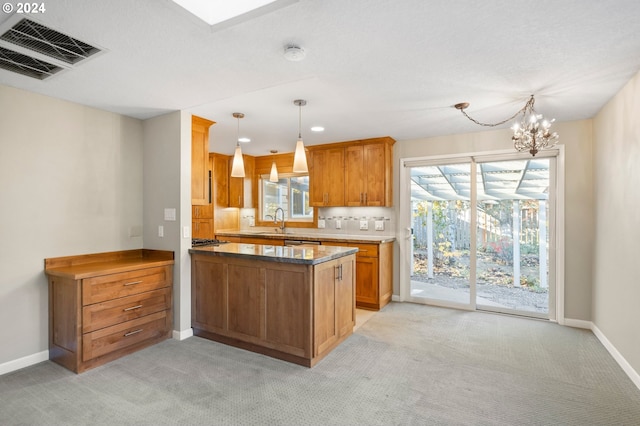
(106, 305)
(294, 312)
(374, 273)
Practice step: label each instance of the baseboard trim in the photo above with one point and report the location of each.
(395, 298)
(588, 325)
(23, 362)
(181, 335)
(626, 367)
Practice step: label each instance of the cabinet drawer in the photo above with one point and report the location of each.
(113, 286)
(104, 314)
(123, 335)
(366, 250)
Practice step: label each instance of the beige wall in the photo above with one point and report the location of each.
(576, 137)
(70, 183)
(616, 289)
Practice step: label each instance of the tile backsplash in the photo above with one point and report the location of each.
(341, 220)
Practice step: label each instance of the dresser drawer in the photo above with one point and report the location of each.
(104, 314)
(123, 335)
(107, 287)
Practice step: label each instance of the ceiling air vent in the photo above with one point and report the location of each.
(26, 65)
(44, 40)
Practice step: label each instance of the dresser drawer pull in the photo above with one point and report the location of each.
(132, 308)
(131, 333)
(133, 282)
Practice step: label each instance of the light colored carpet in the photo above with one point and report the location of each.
(407, 365)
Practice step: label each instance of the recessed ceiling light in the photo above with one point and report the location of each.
(317, 129)
(244, 140)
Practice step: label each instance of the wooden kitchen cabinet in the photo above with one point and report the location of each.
(294, 312)
(220, 179)
(106, 305)
(352, 173)
(200, 160)
(326, 177)
(368, 180)
(202, 221)
(374, 273)
(240, 189)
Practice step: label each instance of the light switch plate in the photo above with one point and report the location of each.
(364, 225)
(320, 223)
(338, 224)
(379, 225)
(160, 231)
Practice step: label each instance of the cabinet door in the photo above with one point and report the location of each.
(202, 228)
(199, 160)
(240, 190)
(354, 176)
(326, 177)
(367, 281)
(374, 170)
(208, 295)
(325, 324)
(345, 297)
(221, 180)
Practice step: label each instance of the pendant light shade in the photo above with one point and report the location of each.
(273, 176)
(237, 167)
(300, 157)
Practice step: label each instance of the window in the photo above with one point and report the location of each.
(291, 193)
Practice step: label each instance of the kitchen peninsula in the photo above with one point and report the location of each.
(293, 303)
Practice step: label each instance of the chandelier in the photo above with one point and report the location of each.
(532, 133)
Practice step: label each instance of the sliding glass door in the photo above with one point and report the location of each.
(481, 232)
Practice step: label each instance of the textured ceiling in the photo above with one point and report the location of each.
(373, 67)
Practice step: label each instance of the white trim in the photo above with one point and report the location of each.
(395, 298)
(25, 361)
(182, 335)
(626, 367)
(587, 325)
(559, 235)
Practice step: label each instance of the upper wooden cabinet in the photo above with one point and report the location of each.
(368, 175)
(240, 191)
(354, 173)
(220, 179)
(200, 160)
(326, 177)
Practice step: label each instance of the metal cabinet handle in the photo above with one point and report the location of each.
(131, 333)
(132, 308)
(133, 282)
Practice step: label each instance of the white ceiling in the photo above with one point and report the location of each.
(373, 67)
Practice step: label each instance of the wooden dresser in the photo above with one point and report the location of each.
(106, 305)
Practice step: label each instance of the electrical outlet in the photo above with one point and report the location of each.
(379, 225)
(321, 223)
(338, 224)
(364, 225)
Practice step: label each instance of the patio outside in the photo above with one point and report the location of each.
(511, 230)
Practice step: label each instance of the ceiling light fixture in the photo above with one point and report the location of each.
(273, 177)
(293, 53)
(299, 157)
(531, 134)
(237, 168)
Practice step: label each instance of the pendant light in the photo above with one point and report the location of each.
(273, 177)
(237, 168)
(299, 157)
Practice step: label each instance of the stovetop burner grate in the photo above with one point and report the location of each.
(198, 242)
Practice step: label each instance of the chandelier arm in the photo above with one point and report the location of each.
(529, 104)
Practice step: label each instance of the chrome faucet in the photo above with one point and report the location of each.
(275, 218)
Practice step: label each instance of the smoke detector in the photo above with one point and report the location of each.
(294, 53)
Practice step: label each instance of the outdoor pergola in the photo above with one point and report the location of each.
(504, 180)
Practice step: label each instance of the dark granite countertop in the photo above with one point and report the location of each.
(302, 254)
(301, 236)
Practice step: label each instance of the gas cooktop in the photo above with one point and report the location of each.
(198, 242)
